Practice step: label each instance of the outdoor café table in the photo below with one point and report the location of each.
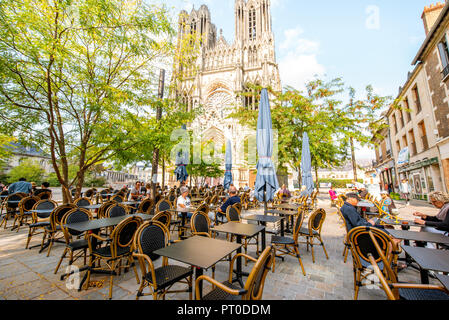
(183, 212)
(443, 279)
(241, 230)
(287, 213)
(91, 207)
(262, 219)
(419, 236)
(428, 259)
(95, 226)
(199, 252)
(289, 206)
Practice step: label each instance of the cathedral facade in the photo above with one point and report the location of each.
(222, 70)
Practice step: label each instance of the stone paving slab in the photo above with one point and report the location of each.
(25, 274)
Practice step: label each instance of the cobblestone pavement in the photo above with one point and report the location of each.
(26, 274)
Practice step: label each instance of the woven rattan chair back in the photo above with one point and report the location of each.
(362, 244)
(101, 213)
(316, 220)
(145, 206)
(256, 279)
(44, 195)
(214, 200)
(116, 210)
(57, 214)
(163, 217)
(151, 236)
(200, 224)
(44, 205)
(203, 208)
(123, 234)
(117, 198)
(298, 223)
(90, 193)
(75, 215)
(27, 203)
(163, 205)
(14, 197)
(238, 206)
(82, 202)
(233, 214)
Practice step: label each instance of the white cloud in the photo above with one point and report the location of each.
(298, 62)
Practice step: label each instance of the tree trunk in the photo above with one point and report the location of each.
(354, 165)
(317, 183)
(163, 173)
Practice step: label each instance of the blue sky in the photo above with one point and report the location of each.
(364, 42)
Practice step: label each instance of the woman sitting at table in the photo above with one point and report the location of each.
(136, 193)
(284, 192)
(438, 223)
(183, 201)
(387, 204)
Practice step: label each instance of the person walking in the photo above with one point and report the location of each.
(405, 190)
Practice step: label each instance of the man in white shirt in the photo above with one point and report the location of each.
(405, 189)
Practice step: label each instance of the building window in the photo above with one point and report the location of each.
(444, 56)
(398, 146)
(401, 118)
(412, 143)
(423, 133)
(395, 124)
(407, 111)
(252, 24)
(404, 140)
(417, 99)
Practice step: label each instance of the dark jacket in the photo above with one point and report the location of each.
(442, 225)
(231, 201)
(352, 217)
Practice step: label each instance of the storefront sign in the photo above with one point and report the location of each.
(404, 156)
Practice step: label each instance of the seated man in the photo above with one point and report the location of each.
(21, 186)
(44, 187)
(233, 199)
(352, 217)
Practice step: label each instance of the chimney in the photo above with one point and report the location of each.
(430, 15)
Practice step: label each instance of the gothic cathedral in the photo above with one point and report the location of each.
(222, 71)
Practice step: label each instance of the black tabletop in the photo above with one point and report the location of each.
(400, 223)
(283, 212)
(443, 279)
(183, 210)
(198, 251)
(91, 207)
(263, 218)
(130, 203)
(239, 229)
(429, 259)
(42, 210)
(103, 223)
(419, 236)
(289, 206)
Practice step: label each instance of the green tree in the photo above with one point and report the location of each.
(75, 74)
(204, 163)
(28, 169)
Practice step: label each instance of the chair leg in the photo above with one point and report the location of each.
(131, 262)
(52, 239)
(324, 248)
(60, 260)
(30, 235)
(300, 261)
(111, 280)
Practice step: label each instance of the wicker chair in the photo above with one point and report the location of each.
(151, 236)
(82, 202)
(116, 210)
(118, 198)
(362, 245)
(101, 213)
(11, 208)
(44, 195)
(254, 285)
(55, 224)
(289, 246)
(313, 231)
(119, 248)
(25, 205)
(163, 217)
(408, 291)
(40, 220)
(345, 239)
(75, 247)
(163, 205)
(146, 206)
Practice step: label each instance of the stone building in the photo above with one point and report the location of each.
(433, 56)
(419, 130)
(222, 70)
